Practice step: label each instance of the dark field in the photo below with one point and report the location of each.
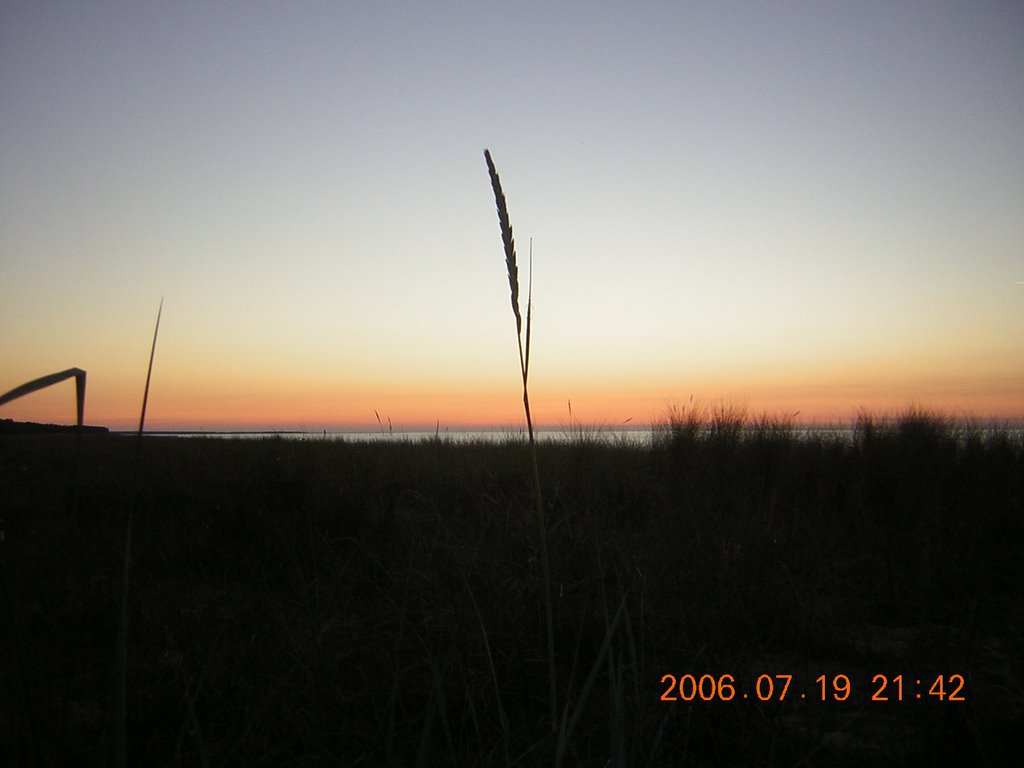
(321, 603)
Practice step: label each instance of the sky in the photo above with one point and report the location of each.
(791, 207)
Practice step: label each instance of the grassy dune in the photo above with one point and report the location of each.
(324, 603)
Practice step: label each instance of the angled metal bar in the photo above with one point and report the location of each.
(45, 381)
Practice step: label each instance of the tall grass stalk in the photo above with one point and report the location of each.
(121, 649)
(524, 365)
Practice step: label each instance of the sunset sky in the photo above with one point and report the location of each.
(792, 206)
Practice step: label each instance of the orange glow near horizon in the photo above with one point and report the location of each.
(237, 395)
(829, 397)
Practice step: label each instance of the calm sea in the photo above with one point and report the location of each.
(634, 436)
(639, 435)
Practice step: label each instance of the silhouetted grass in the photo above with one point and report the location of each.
(512, 269)
(383, 603)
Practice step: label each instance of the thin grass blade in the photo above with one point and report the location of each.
(149, 371)
(529, 316)
(121, 651)
(565, 733)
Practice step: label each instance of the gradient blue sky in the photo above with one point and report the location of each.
(796, 206)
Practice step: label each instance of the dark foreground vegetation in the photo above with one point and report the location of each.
(320, 603)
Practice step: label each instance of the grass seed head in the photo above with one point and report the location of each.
(506, 238)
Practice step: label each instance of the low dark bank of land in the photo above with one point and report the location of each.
(331, 603)
(11, 427)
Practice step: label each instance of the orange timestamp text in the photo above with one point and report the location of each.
(766, 687)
